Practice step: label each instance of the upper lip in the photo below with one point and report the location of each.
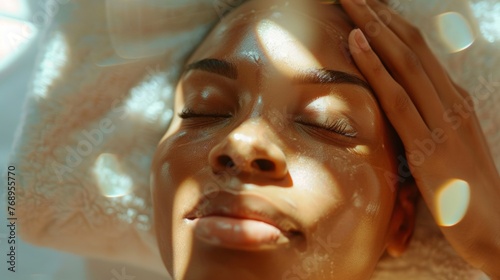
(245, 206)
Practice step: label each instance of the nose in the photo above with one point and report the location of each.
(249, 152)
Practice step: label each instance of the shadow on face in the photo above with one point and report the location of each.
(279, 164)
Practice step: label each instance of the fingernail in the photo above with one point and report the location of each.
(361, 41)
(360, 2)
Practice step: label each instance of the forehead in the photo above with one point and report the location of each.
(300, 35)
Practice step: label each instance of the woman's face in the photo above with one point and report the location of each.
(277, 165)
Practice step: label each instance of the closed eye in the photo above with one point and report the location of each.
(188, 113)
(338, 126)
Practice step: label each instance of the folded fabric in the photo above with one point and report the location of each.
(101, 99)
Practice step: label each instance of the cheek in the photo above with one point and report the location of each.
(352, 208)
(336, 177)
(177, 160)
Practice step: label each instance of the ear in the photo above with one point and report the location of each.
(402, 222)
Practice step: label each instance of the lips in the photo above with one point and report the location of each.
(245, 207)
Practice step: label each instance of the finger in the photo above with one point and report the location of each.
(411, 36)
(402, 62)
(394, 100)
(466, 98)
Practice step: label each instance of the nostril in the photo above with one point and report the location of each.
(225, 161)
(263, 164)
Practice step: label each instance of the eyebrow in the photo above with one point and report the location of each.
(326, 76)
(216, 66)
(309, 76)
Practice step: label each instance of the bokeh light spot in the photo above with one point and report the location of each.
(452, 202)
(454, 31)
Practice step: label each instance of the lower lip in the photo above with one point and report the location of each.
(235, 233)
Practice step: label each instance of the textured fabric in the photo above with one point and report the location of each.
(92, 122)
(93, 119)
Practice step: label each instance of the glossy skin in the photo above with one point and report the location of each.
(332, 180)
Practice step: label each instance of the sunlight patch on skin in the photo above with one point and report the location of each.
(165, 169)
(286, 51)
(452, 202)
(325, 104)
(242, 137)
(361, 150)
(111, 180)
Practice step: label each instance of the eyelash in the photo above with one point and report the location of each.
(188, 113)
(339, 126)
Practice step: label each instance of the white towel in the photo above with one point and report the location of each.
(92, 121)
